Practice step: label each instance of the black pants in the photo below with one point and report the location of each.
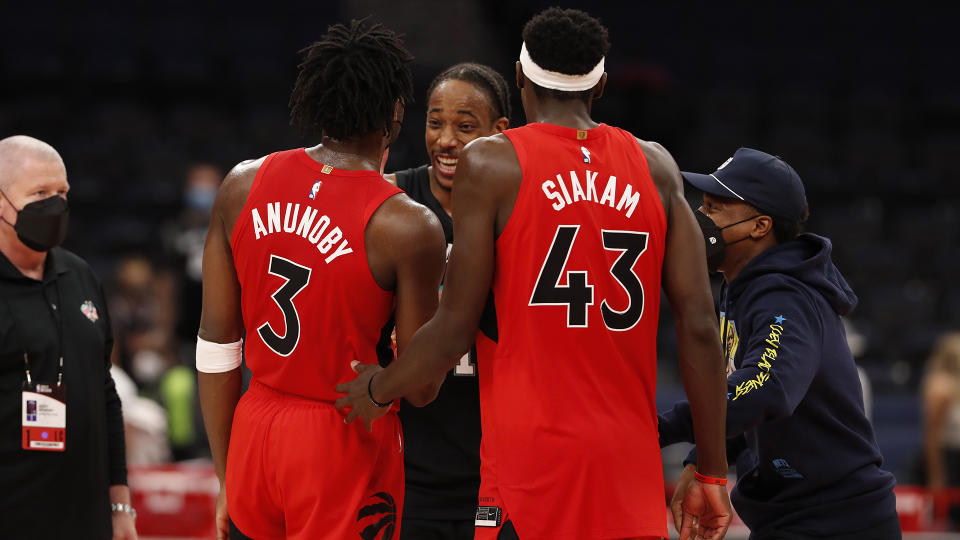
(436, 529)
(507, 532)
(418, 529)
(886, 530)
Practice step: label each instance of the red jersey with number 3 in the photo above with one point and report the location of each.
(569, 415)
(310, 304)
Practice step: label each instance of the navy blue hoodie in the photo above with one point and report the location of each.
(807, 460)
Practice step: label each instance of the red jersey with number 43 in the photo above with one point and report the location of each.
(310, 304)
(572, 421)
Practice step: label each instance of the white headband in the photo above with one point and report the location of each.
(559, 81)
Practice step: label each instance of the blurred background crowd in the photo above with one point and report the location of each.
(150, 104)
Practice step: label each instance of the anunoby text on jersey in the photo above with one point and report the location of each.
(311, 228)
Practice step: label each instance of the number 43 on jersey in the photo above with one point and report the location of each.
(577, 294)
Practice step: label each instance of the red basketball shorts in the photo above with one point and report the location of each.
(296, 471)
(492, 514)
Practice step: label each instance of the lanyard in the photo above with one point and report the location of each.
(724, 325)
(723, 334)
(57, 318)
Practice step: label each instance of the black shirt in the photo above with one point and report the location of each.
(58, 494)
(416, 184)
(442, 454)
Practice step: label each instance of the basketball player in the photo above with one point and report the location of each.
(574, 224)
(442, 455)
(308, 252)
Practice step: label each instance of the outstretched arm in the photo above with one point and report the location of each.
(406, 239)
(685, 280)
(484, 172)
(780, 360)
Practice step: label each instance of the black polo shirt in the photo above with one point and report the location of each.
(58, 494)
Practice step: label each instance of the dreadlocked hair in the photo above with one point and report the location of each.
(350, 81)
(484, 78)
(567, 41)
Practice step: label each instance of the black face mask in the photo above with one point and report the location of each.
(713, 238)
(42, 225)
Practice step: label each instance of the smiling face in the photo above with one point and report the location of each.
(457, 113)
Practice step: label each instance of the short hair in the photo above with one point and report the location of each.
(784, 229)
(567, 41)
(350, 80)
(484, 78)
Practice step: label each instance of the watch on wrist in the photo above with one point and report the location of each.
(125, 508)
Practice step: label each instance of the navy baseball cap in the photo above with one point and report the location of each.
(758, 179)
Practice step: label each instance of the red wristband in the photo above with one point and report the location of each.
(710, 479)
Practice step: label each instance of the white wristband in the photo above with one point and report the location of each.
(218, 357)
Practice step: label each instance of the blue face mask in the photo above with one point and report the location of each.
(200, 198)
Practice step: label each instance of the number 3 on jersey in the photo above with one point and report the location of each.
(296, 277)
(577, 294)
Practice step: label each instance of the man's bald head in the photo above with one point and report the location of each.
(20, 155)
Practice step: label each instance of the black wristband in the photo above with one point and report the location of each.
(370, 393)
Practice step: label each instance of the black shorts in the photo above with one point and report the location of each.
(507, 532)
(436, 529)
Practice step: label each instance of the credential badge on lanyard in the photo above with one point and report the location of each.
(43, 405)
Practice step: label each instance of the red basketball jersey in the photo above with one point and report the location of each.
(310, 304)
(569, 412)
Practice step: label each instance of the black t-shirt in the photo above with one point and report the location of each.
(58, 494)
(416, 184)
(442, 440)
